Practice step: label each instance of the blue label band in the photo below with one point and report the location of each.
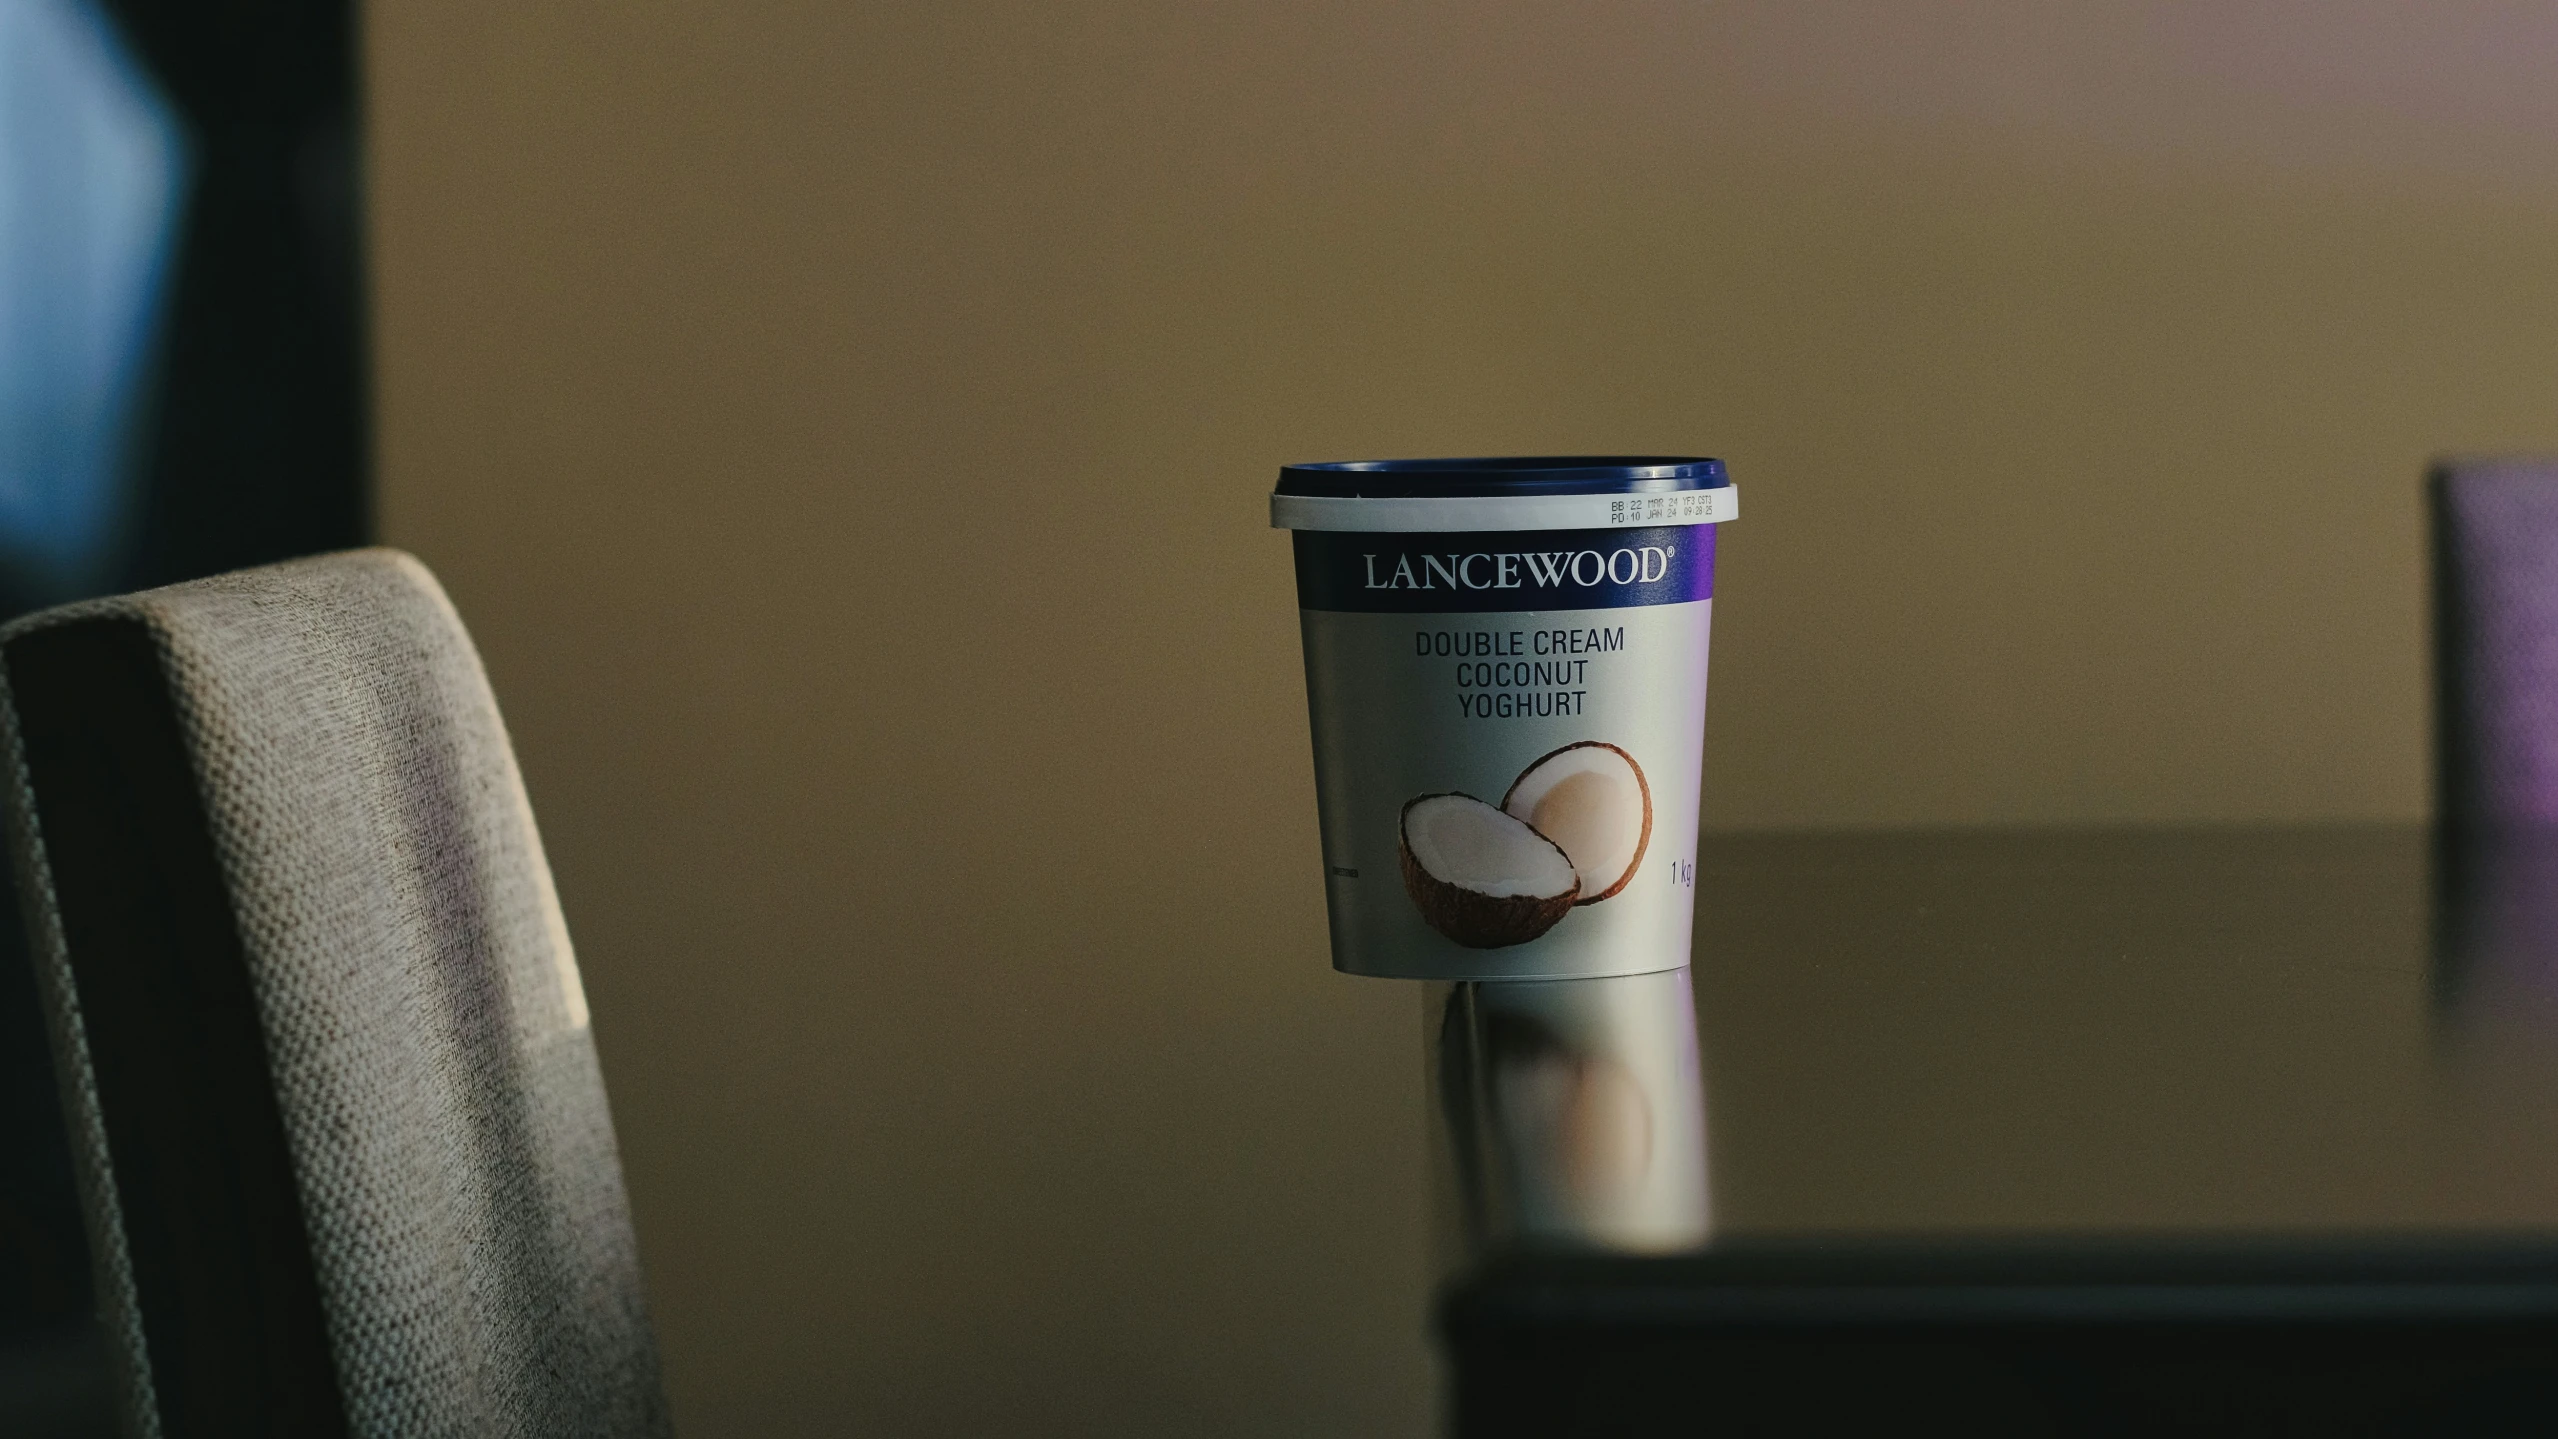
(1504, 570)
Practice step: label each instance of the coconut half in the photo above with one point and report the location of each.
(1481, 877)
(1591, 799)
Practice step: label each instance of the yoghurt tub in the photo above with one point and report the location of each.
(1505, 670)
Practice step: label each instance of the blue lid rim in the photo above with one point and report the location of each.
(1510, 475)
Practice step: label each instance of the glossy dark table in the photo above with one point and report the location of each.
(2199, 1131)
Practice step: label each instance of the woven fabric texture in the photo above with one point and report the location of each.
(423, 1019)
(2496, 583)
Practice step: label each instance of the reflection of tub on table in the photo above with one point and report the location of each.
(1572, 1111)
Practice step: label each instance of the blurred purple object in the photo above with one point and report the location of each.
(2496, 641)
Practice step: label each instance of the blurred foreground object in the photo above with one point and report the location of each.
(343, 1145)
(2495, 540)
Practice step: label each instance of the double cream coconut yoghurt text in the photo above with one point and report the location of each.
(1505, 667)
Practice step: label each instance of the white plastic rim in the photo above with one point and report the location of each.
(1479, 513)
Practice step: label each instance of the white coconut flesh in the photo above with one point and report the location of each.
(1590, 799)
(1461, 841)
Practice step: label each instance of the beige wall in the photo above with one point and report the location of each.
(846, 428)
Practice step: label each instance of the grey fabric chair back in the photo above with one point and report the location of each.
(343, 1143)
(2495, 534)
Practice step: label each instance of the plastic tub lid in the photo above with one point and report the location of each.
(1538, 492)
(1518, 475)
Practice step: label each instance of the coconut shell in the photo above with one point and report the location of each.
(1470, 917)
(1642, 785)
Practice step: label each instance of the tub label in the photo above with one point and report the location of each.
(1507, 737)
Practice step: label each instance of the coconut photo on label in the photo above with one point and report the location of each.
(1590, 798)
(1570, 831)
